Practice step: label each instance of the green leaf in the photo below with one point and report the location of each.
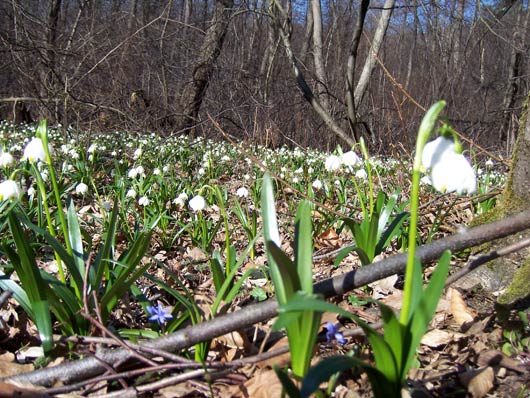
(286, 280)
(128, 273)
(217, 270)
(303, 250)
(302, 301)
(102, 261)
(392, 231)
(427, 304)
(76, 243)
(343, 254)
(307, 336)
(288, 386)
(326, 368)
(31, 281)
(272, 240)
(394, 334)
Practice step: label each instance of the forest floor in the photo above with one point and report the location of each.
(473, 348)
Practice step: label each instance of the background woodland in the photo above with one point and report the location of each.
(165, 65)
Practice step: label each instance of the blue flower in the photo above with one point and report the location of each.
(159, 313)
(333, 333)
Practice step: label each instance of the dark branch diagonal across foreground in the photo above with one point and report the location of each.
(93, 366)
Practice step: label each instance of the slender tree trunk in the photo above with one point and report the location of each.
(318, 57)
(369, 65)
(350, 70)
(194, 90)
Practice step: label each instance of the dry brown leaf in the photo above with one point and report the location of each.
(383, 287)
(437, 338)
(8, 366)
(460, 311)
(264, 384)
(281, 360)
(328, 238)
(12, 389)
(494, 358)
(478, 382)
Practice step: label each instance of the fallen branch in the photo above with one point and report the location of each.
(92, 366)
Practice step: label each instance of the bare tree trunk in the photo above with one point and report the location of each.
(194, 90)
(308, 32)
(51, 80)
(369, 64)
(302, 83)
(318, 57)
(350, 71)
(514, 71)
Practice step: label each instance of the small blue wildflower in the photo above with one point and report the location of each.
(159, 313)
(333, 333)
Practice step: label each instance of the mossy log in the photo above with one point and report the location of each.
(511, 275)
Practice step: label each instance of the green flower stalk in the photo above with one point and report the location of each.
(426, 128)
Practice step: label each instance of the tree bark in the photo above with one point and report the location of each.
(369, 64)
(318, 56)
(195, 89)
(510, 274)
(350, 70)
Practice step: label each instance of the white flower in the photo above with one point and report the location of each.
(197, 203)
(361, 174)
(131, 193)
(489, 163)
(350, 159)
(92, 148)
(137, 153)
(106, 205)
(433, 151)
(31, 192)
(426, 180)
(295, 180)
(81, 188)
(141, 171)
(449, 171)
(332, 163)
(132, 173)
(34, 151)
(6, 159)
(317, 184)
(157, 172)
(242, 192)
(9, 189)
(299, 170)
(143, 201)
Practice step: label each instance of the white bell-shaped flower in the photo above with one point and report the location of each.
(197, 203)
(9, 189)
(449, 171)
